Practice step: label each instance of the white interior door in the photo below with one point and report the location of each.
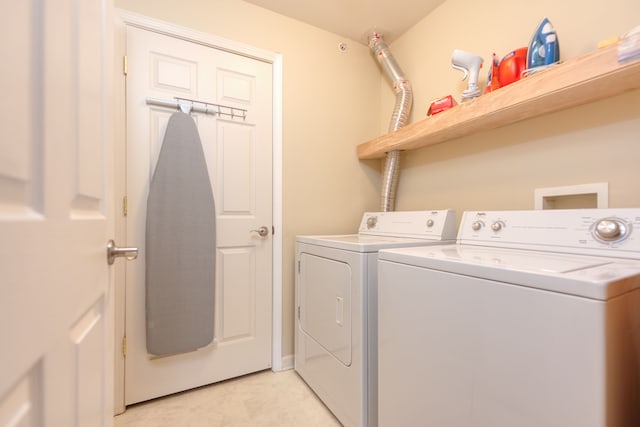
(239, 159)
(55, 213)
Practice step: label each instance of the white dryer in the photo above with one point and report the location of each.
(336, 305)
(531, 320)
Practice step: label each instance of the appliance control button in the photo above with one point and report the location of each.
(497, 226)
(477, 225)
(371, 222)
(610, 229)
(430, 223)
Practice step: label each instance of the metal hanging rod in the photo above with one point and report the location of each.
(187, 105)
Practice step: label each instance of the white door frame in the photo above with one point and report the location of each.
(125, 18)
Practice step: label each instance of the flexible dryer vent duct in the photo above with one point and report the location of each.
(404, 100)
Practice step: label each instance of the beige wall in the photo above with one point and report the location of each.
(332, 101)
(330, 104)
(500, 169)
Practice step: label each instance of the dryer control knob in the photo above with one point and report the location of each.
(497, 226)
(610, 229)
(477, 225)
(371, 222)
(430, 223)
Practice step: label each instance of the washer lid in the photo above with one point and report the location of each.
(591, 277)
(365, 243)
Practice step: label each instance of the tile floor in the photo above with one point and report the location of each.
(262, 399)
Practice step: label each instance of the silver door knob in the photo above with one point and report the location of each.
(262, 231)
(113, 251)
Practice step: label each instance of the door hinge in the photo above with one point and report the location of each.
(298, 312)
(298, 266)
(125, 65)
(124, 346)
(125, 207)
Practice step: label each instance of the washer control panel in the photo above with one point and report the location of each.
(440, 224)
(598, 231)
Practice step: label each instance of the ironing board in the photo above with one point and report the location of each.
(180, 244)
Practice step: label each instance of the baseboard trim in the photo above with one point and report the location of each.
(287, 362)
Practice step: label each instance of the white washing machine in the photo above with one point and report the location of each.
(531, 320)
(336, 304)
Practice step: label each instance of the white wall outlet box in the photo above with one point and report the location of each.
(573, 197)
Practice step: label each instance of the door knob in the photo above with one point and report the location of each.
(113, 251)
(262, 231)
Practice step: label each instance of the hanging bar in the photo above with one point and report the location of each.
(186, 105)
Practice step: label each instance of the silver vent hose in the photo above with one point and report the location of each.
(400, 117)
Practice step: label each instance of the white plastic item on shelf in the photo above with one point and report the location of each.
(629, 45)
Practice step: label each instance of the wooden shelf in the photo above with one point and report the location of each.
(581, 80)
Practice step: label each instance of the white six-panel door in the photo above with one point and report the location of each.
(239, 158)
(55, 213)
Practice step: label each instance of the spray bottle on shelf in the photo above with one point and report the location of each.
(492, 76)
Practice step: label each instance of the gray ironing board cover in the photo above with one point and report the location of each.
(180, 244)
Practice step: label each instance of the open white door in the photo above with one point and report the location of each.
(55, 213)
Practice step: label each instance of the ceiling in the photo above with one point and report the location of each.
(354, 18)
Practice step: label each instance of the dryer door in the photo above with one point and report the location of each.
(325, 303)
